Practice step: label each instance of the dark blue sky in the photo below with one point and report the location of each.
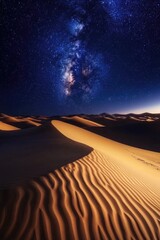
(79, 56)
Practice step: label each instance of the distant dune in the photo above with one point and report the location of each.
(19, 122)
(7, 127)
(84, 121)
(61, 181)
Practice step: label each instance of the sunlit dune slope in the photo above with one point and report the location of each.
(83, 121)
(7, 127)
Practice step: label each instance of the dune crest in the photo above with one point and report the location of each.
(139, 162)
(84, 121)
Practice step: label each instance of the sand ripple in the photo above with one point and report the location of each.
(91, 198)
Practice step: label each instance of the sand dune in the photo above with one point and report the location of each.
(84, 121)
(34, 152)
(110, 118)
(88, 199)
(141, 131)
(111, 191)
(124, 155)
(7, 127)
(19, 122)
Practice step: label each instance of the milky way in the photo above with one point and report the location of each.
(82, 72)
(62, 57)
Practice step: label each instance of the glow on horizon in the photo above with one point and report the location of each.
(150, 109)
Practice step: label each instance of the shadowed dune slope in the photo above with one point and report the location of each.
(34, 152)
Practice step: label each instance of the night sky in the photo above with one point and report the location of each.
(79, 56)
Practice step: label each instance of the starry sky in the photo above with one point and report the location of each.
(79, 56)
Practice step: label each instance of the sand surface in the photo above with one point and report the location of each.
(83, 121)
(7, 127)
(59, 181)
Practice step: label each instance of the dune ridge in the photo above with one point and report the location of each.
(85, 199)
(141, 163)
(142, 131)
(83, 121)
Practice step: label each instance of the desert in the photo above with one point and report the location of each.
(61, 179)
